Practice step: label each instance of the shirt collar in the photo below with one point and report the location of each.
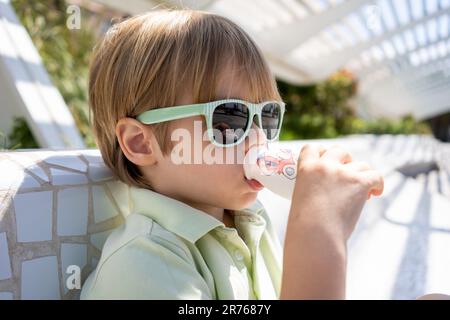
(176, 216)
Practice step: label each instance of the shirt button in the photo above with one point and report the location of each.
(238, 255)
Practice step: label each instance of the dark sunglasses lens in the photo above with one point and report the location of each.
(229, 122)
(271, 114)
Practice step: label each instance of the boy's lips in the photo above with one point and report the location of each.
(255, 185)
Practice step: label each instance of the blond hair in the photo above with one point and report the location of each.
(147, 61)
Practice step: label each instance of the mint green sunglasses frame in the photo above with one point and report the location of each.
(207, 110)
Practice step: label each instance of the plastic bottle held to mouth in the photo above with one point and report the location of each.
(275, 169)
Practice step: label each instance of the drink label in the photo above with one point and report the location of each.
(281, 162)
(275, 169)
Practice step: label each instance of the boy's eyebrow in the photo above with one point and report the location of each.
(224, 98)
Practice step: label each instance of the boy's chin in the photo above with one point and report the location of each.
(245, 201)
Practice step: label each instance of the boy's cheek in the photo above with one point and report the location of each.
(228, 176)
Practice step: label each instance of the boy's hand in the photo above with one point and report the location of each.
(331, 190)
(328, 197)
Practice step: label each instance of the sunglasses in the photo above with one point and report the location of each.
(228, 121)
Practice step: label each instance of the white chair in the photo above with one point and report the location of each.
(56, 210)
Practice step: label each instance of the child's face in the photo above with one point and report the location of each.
(221, 185)
(209, 187)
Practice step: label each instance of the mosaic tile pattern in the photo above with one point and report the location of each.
(56, 211)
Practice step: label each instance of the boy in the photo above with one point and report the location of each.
(197, 231)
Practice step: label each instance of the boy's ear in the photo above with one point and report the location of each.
(137, 141)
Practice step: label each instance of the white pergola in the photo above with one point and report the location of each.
(398, 49)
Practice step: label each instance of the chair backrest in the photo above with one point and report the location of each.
(56, 210)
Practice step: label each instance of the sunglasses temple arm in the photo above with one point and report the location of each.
(171, 113)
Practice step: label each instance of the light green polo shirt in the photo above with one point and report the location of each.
(169, 250)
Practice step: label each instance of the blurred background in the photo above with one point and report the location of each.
(343, 66)
(373, 76)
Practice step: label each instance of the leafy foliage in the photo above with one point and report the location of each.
(21, 136)
(65, 52)
(324, 110)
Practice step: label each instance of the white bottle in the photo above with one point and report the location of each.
(275, 169)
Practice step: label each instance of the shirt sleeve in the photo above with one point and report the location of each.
(146, 269)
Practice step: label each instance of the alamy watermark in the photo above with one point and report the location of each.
(74, 17)
(73, 281)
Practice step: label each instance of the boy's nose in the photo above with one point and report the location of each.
(256, 137)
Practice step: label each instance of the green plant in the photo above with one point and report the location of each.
(323, 110)
(65, 52)
(21, 136)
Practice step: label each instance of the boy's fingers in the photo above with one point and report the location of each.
(358, 166)
(321, 150)
(309, 152)
(337, 153)
(374, 180)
